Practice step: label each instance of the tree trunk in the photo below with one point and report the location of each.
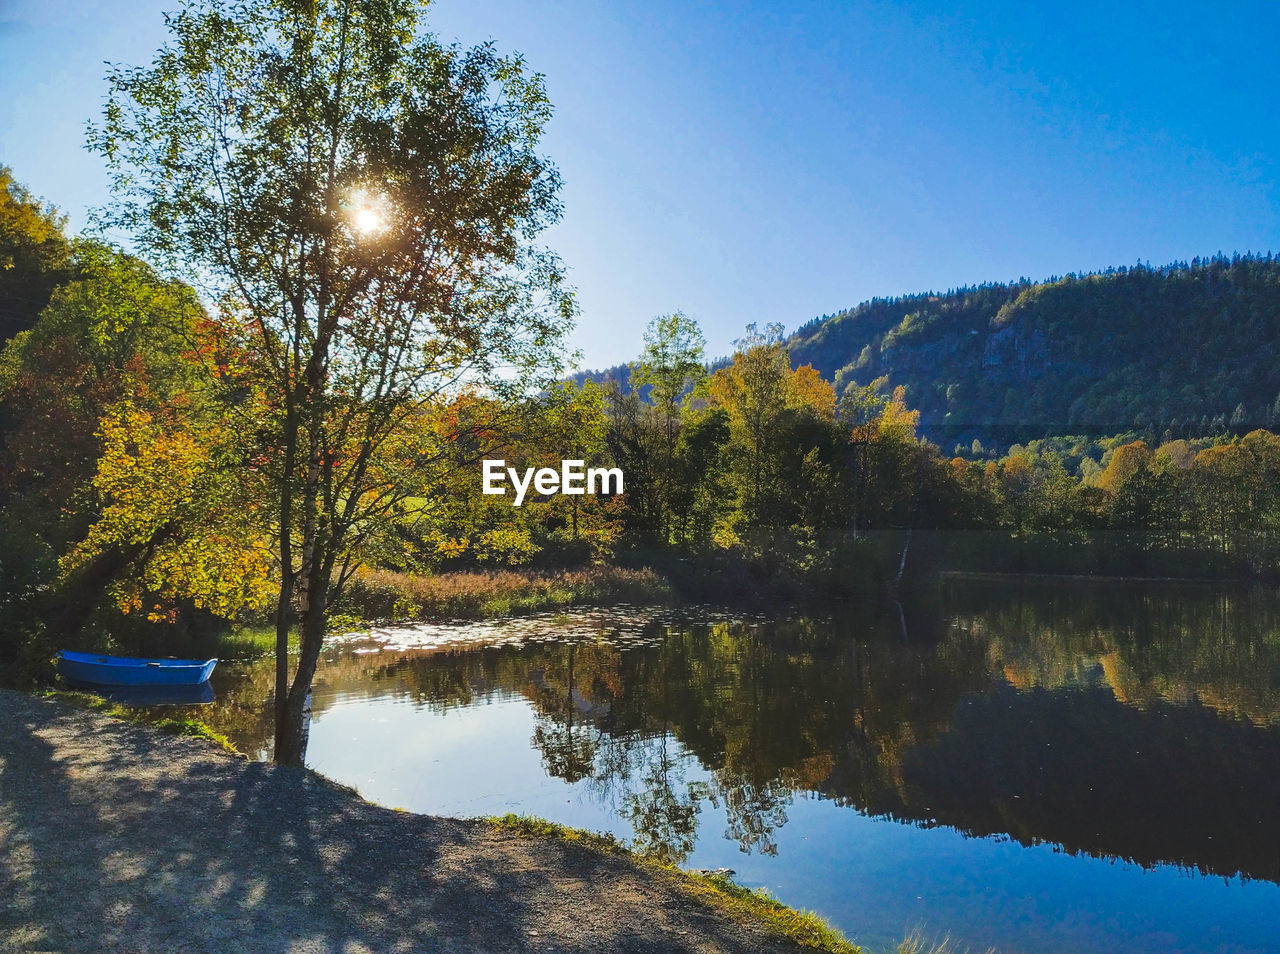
(291, 734)
(283, 626)
(284, 603)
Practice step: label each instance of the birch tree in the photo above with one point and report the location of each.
(360, 205)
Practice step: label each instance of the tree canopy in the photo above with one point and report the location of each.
(34, 255)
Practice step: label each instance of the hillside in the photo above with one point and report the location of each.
(1187, 348)
(1190, 349)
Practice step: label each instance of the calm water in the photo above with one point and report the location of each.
(1040, 768)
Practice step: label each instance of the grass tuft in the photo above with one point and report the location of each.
(249, 642)
(194, 728)
(530, 826)
(804, 927)
(917, 943)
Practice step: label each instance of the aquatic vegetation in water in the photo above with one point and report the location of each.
(623, 625)
(917, 943)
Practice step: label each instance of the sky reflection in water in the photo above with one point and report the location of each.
(1041, 769)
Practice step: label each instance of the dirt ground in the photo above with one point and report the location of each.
(115, 837)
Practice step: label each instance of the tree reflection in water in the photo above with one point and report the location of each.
(567, 743)
(1131, 723)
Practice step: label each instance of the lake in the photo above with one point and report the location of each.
(1035, 767)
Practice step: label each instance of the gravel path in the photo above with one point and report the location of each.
(115, 837)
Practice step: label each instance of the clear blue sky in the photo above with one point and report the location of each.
(775, 161)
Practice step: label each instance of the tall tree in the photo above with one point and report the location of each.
(569, 423)
(671, 366)
(362, 204)
(783, 438)
(672, 369)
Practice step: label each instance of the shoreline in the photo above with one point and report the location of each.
(168, 843)
(994, 576)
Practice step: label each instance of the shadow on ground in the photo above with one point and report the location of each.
(117, 838)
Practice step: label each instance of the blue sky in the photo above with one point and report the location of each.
(776, 161)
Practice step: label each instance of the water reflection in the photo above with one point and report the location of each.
(147, 696)
(1134, 724)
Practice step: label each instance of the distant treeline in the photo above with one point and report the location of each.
(761, 460)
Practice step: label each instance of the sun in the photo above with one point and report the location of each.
(369, 220)
(367, 211)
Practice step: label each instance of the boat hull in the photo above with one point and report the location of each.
(94, 670)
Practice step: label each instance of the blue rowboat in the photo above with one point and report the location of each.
(91, 669)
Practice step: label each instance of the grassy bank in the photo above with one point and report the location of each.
(802, 927)
(810, 575)
(384, 594)
(191, 727)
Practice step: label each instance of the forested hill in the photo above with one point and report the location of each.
(1188, 348)
(620, 374)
